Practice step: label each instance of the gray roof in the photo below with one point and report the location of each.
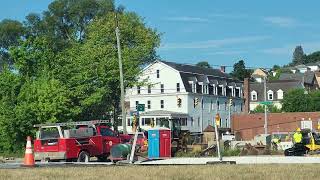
(313, 64)
(284, 85)
(301, 66)
(162, 113)
(308, 77)
(197, 70)
(189, 72)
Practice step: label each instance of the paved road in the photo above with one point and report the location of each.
(189, 161)
(238, 160)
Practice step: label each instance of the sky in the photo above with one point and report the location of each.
(263, 33)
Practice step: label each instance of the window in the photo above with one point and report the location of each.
(218, 105)
(162, 88)
(198, 121)
(280, 94)
(183, 121)
(149, 104)
(158, 73)
(149, 89)
(254, 96)
(191, 121)
(107, 132)
(138, 89)
(210, 107)
(205, 89)
(128, 122)
(178, 87)
(146, 121)
(241, 107)
(202, 104)
(162, 104)
(270, 95)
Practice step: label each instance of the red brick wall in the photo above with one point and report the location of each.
(246, 126)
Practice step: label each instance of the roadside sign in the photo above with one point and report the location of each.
(140, 107)
(265, 102)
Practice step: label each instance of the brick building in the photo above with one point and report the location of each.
(246, 126)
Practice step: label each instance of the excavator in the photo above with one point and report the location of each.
(310, 144)
(179, 138)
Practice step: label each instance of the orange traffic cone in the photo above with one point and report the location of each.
(28, 157)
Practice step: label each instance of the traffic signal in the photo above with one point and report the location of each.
(196, 102)
(230, 101)
(179, 102)
(217, 119)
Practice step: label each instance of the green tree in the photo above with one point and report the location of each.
(271, 108)
(313, 57)
(298, 56)
(297, 100)
(204, 64)
(315, 97)
(10, 33)
(66, 21)
(239, 71)
(78, 80)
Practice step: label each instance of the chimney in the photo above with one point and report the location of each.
(223, 69)
(246, 92)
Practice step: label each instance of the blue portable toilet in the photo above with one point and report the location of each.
(153, 144)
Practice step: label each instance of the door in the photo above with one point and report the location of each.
(165, 143)
(153, 146)
(110, 138)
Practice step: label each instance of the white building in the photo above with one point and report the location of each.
(275, 91)
(202, 92)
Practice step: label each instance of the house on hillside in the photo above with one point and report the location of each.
(275, 91)
(314, 66)
(308, 79)
(188, 94)
(302, 68)
(259, 74)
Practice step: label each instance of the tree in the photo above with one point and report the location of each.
(10, 33)
(298, 56)
(204, 64)
(66, 21)
(313, 57)
(271, 108)
(297, 100)
(77, 81)
(239, 71)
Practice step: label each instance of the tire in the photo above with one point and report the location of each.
(83, 157)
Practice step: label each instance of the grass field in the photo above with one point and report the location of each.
(307, 171)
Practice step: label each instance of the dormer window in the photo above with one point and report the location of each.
(280, 94)
(254, 96)
(270, 95)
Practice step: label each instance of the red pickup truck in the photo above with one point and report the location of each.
(55, 142)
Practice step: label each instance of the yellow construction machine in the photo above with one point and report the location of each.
(310, 144)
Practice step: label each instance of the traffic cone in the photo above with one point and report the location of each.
(28, 156)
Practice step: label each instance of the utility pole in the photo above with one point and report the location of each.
(229, 114)
(123, 109)
(265, 107)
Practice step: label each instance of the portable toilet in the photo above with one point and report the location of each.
(165, 143)
(153, 144)
(159, 143)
